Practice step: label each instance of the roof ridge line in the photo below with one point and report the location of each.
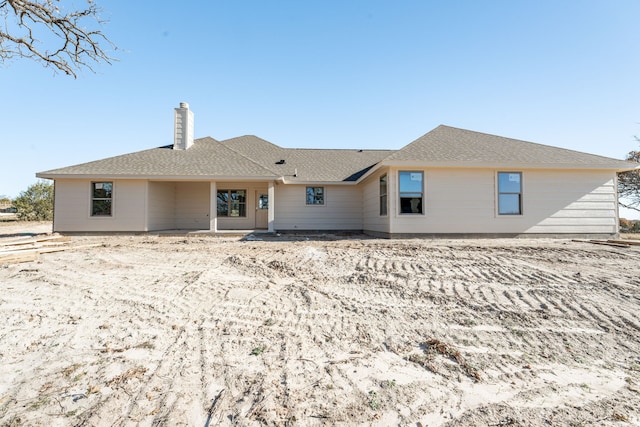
(249, 158)
(341, 149)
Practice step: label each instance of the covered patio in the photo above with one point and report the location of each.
(210, 206)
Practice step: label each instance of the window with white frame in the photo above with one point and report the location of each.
(510, 193)
(315, 196)
(101, 198)
(383, 195)
(232, 203)
(411, 192)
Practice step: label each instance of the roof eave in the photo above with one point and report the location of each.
(46, 175)
(306, 182)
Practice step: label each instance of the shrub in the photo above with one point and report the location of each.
(35, 203)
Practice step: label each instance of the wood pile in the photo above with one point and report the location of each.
(617, 243)
(25, 250)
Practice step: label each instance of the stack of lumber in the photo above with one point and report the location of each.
(24, 250)
(615, 243)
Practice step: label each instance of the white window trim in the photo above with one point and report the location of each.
(497, 195)
(385, 175)
(246, 204)
(399, 212)
(113, 201)
(324, 196)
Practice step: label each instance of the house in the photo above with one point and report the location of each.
(448, 182)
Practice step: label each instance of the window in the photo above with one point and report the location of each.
(411, 191)
(509, 193)
(101, 198)
(232, 203)
(383, 195)
(315, 195)
(263, 201)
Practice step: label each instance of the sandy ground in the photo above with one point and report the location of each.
(204, 331)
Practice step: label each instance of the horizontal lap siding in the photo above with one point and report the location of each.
(192, 205)
(588, 200)
(342, 209)
(162, 206)
(455, 201)
(554, 202)
(73, 204)
(372, 220)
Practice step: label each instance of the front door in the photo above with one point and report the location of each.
(262, 209)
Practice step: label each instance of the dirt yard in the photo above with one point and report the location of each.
(207, 331)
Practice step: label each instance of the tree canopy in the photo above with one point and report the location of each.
(54, 33)
(629, 184)
(36, 202)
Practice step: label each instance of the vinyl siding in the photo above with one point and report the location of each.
(161, 205)
(588, 200)
(178, 205)
(554, 202)
(342, 209)
(455, 201)
(372, 220)
(192, 205)
(73, 204)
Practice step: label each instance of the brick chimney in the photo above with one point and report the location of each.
(183, 127)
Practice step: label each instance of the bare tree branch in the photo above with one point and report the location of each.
(42, 30)
(629, 184)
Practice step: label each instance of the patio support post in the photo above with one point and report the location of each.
(271, 209)
(213, 207)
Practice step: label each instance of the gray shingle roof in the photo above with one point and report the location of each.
(242, 157)
(310, 164)
(248, 157)
(206, 158)
(449, 145)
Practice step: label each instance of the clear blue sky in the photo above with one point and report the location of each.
(327, 74)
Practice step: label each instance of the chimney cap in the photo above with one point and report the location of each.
(184, 105)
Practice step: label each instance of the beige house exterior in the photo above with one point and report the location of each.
(449, 182)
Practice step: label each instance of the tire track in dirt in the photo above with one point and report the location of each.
(238, 333)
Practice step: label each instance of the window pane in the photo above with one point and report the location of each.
(239, 195)
(509, 182)
(223, 209)
(410, 204)
(234, 208)
(411, 182)
(383, 195)
(101, 207)
(383, 185)
(383, 205)
(232, 203)
(315, 196)
(509, 204)
(101, 195)
(223, 203)
(263, 201)
(102, 190)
